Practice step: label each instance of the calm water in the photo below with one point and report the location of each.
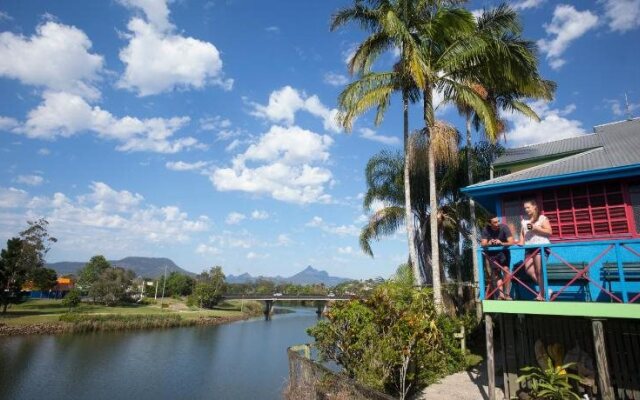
(242, 360)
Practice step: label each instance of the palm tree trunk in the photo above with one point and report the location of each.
(429, 121)
(472, 218)
(408, 216)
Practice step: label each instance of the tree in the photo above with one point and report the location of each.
(112, 286)
(393, 340)
(390, 24)
(520, 80)
(72, 299)
(44, 279)
(178, 284)
(91, 272)
(23, 255)
(210, 287)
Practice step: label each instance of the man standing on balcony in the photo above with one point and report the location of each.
(497, 234)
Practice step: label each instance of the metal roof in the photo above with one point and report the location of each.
(619, 146)
(565, 146)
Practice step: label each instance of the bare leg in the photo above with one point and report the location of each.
(540, 280)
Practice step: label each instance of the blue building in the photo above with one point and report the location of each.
(589, 189)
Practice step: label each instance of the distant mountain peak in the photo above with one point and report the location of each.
(307, 276)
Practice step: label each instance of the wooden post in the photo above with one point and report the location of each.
(604, 381)
(491, 366)
(509, 361)
(268, 304)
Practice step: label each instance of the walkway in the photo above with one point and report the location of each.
(466, 385)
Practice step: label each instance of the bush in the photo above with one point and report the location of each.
(72, 299)
(392, 341)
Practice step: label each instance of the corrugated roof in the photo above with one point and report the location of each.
(619, 146)
(564, 146)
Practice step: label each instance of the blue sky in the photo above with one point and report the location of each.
(204, 131)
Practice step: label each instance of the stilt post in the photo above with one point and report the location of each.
(491, 365)
(604, 380)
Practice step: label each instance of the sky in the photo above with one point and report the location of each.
(204, 131)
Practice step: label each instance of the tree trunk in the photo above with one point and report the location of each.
(429, 120)
(472, 220)
(408, 210)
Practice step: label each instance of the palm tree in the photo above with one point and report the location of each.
(510, 77)
(390, 25)
(385, 184)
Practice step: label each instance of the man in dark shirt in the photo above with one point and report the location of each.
(497, 234)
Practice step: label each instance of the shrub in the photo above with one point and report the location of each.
(72, 299)
(552, 382)
(392, 341)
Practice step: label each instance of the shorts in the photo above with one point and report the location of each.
(528, 252)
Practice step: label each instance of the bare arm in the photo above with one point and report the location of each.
(544, 229)
(521, 241)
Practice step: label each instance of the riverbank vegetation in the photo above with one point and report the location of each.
(53, 316)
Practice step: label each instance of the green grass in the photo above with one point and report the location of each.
(49, 311)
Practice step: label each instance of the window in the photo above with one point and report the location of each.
(634, 199)
(583, 211)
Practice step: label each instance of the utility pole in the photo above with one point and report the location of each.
(164, 284)
(156, 295)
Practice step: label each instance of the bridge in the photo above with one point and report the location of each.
(269, 299)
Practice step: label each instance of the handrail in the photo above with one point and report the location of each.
(616, 247)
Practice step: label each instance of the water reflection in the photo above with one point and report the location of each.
(243, 360)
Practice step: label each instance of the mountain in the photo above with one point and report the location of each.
(307, 276)
(147, 267)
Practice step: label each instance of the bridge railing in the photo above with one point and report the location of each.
(591, 271)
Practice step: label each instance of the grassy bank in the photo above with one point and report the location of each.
(50, 316)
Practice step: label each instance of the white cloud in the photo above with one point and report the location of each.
(31, 180)
(156, 11)
(259, 214)
(214, 123)
(56, 57)
(567, 25)
(280, 163)
(8, 124)
(370, 134)
(622, 15)
(345, 250)
(186, 166)
(283, 240)
(12, 197)
(206, 249)
(235, 218)
(526, 4)
(44, 151)
(5, 17)
(106, 217)
(287, 101)
(178, 62)
(65, 114)
(334, 79)
(618, 109)
(340, 230)
(553, 125)
(349, 52)
(272, 29)
(255, 256)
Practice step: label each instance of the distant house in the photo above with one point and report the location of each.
(63, 286)
(589, 189)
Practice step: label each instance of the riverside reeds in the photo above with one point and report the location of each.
(80, 323)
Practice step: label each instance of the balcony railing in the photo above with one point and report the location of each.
(595, 271)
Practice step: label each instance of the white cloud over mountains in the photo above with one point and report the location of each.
(158, 60)
(282, 163)
(56, 57)
(287, 101)
(567, 25)
(120, 217)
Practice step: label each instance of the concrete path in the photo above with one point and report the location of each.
(467, 385)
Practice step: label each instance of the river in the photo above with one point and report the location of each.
(240, 360)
